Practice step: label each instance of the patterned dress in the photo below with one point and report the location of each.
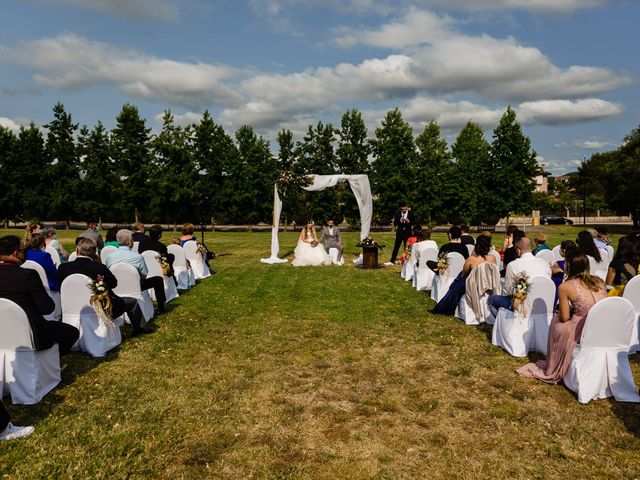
(563, 338)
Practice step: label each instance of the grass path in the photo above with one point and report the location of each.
(282, 372)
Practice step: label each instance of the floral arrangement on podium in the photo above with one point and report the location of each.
(369, 243)
(100, 300)
(289, 178)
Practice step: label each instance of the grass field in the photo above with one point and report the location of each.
(334, 372)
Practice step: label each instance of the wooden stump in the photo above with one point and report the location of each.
(369, 257)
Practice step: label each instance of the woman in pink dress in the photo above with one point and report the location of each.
(582, 291)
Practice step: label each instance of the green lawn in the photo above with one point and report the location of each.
(334, 372)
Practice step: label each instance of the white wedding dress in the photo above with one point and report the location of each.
(306, 255)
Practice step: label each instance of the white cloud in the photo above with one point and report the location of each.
(554, 112)
(548, 6)
(10, 124)
(182, 120)
(72, 62)
(137, 9)
(586, 144)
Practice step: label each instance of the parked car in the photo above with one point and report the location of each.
(554, 220)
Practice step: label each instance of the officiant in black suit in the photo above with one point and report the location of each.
(404, 221)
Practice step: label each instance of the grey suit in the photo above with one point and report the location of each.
(331, 239)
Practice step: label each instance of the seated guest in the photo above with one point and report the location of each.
(31, 228)
(23, 286)
(481, 254)
(176, 241)
(35, 252)
(599, 243)
(623, 267)
(138, 234)
(51, 240)
(587, 245)
(124, 254)
(558, 269)
(466, 238)
(187, 234)
(602, 235)
(525, 263)
(9, 431)
(153, 243)
(510, 253)
(540, 240)
(88, 263)
(509, 240)
(111, 237)
(92, 232)
(454, 245)
(580, 291)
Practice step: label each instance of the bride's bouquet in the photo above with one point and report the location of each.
(100, 300)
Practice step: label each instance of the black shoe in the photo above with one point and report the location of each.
(141, 331)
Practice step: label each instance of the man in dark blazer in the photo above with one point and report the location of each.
(88, 263)
(404, 221)
(24, 287)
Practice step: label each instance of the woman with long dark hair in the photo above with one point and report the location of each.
(587, 246)
(576, 296)
(623, 267)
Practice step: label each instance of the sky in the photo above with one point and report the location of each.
(569, 68)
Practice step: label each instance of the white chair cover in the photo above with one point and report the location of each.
(518, 334)
(152, 260)
(593, 265)
(106, 251)
(55, 256)
(129, 286)
(464, 311)
(198, 265)
(610, 252)
(135, 246)
(632, 293)
(72, 256)
(441, 284)
(497, 257)
(422, 275)
(333, 254)
(26, 374)
(546, 255)
(556, 253)
(602, 266)
(55, 296)
(600, 365)
(470, 248)
(96, 337)
(184, 274)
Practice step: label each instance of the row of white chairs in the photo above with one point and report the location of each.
(28, 374)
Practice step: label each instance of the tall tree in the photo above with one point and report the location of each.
(64, 164)
(286, 154)
(130, 151)
(30, 175)
(174, 174)
(353, 148)
(100, 178)
(429, 174)
(394, 151)
(213, 152)
(8, 142)
(465, 182)
(513, 168)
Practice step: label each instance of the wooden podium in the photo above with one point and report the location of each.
(370, 257)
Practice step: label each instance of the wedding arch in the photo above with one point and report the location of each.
(359, 186)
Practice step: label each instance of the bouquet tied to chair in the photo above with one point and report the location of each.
(101, 301)
(519, 293)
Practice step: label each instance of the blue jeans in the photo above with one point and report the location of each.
(500, 301)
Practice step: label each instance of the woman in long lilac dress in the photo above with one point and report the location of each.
(582, 291)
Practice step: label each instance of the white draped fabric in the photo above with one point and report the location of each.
(360, 188)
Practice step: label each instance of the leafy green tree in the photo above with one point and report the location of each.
(286, 155)
(8, 142)
(30, 176)
(130, 151)
(511, 179)
(251, 179)
(99, 178)
(174, 173)
(465, 185)
(215, 156)
(394, 150)
(429, 174)
(64, 164)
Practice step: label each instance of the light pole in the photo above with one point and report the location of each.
(584, 192)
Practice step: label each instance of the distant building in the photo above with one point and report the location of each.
(542, 180)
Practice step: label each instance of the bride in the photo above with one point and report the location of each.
(309, 251)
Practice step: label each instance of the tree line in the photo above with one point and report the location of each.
(128, 173)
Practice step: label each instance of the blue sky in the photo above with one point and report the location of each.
(568, 67)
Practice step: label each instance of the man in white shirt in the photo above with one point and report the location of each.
(526, 263)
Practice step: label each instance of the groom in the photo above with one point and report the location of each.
(331, 237)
